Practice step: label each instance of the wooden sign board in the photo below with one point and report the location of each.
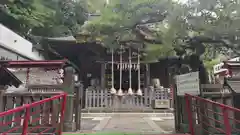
(161, 104)
(188, 83)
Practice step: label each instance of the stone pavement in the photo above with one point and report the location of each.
(147, 123)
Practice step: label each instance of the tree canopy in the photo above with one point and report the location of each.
(43, 17)
(129, 20)
(208, 28)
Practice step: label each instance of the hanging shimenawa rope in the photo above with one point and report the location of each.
(113, 90)
(120, 92)
(130, 91)
(139, 91)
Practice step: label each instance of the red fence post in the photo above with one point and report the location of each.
(64, 100)
(226, 121)
(189, 111)
(26, 119)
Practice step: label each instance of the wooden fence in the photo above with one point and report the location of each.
(103, 100)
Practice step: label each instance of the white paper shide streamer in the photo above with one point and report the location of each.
(120, 91)
(139, 91)
(130, 91)
(113, 90)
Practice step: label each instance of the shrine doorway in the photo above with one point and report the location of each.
(125, 80)
(125, 77)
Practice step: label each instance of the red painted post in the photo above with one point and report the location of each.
(26, 119)
(64, 100)
(226, 121)
(189, 111)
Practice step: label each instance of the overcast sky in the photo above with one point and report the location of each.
(183, 1)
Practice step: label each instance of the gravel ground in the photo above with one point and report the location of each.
(88, 124)
(139, 124)
(166, 125)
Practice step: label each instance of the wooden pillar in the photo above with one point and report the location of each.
(176, 102)
(236, 100)
(68, 87)
(103, 76)
(2, 91)
(147, 75)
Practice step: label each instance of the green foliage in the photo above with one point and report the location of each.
(26, 14)
(162, 25)
(209, 64)
(132, 20)
(43, 17)
(171, 23)
(93, 6)
(155, 51)
(219, 20)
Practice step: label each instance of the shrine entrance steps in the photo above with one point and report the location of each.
(115, 134)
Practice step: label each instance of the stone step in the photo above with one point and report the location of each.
(125, 110)
(160, 115)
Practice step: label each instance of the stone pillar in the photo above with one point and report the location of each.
(78, 105)
(68, 87)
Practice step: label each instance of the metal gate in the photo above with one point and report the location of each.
(41, 117)
(209, 117)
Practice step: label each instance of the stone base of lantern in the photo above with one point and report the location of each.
(69, 126)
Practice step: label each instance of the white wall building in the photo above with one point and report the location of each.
(15, 47)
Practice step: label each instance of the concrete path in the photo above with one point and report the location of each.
(147, 123)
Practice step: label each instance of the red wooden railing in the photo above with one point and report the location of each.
(42, 117)
(209, 117)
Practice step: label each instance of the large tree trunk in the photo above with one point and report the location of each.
(203, 74)
(197, 65)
